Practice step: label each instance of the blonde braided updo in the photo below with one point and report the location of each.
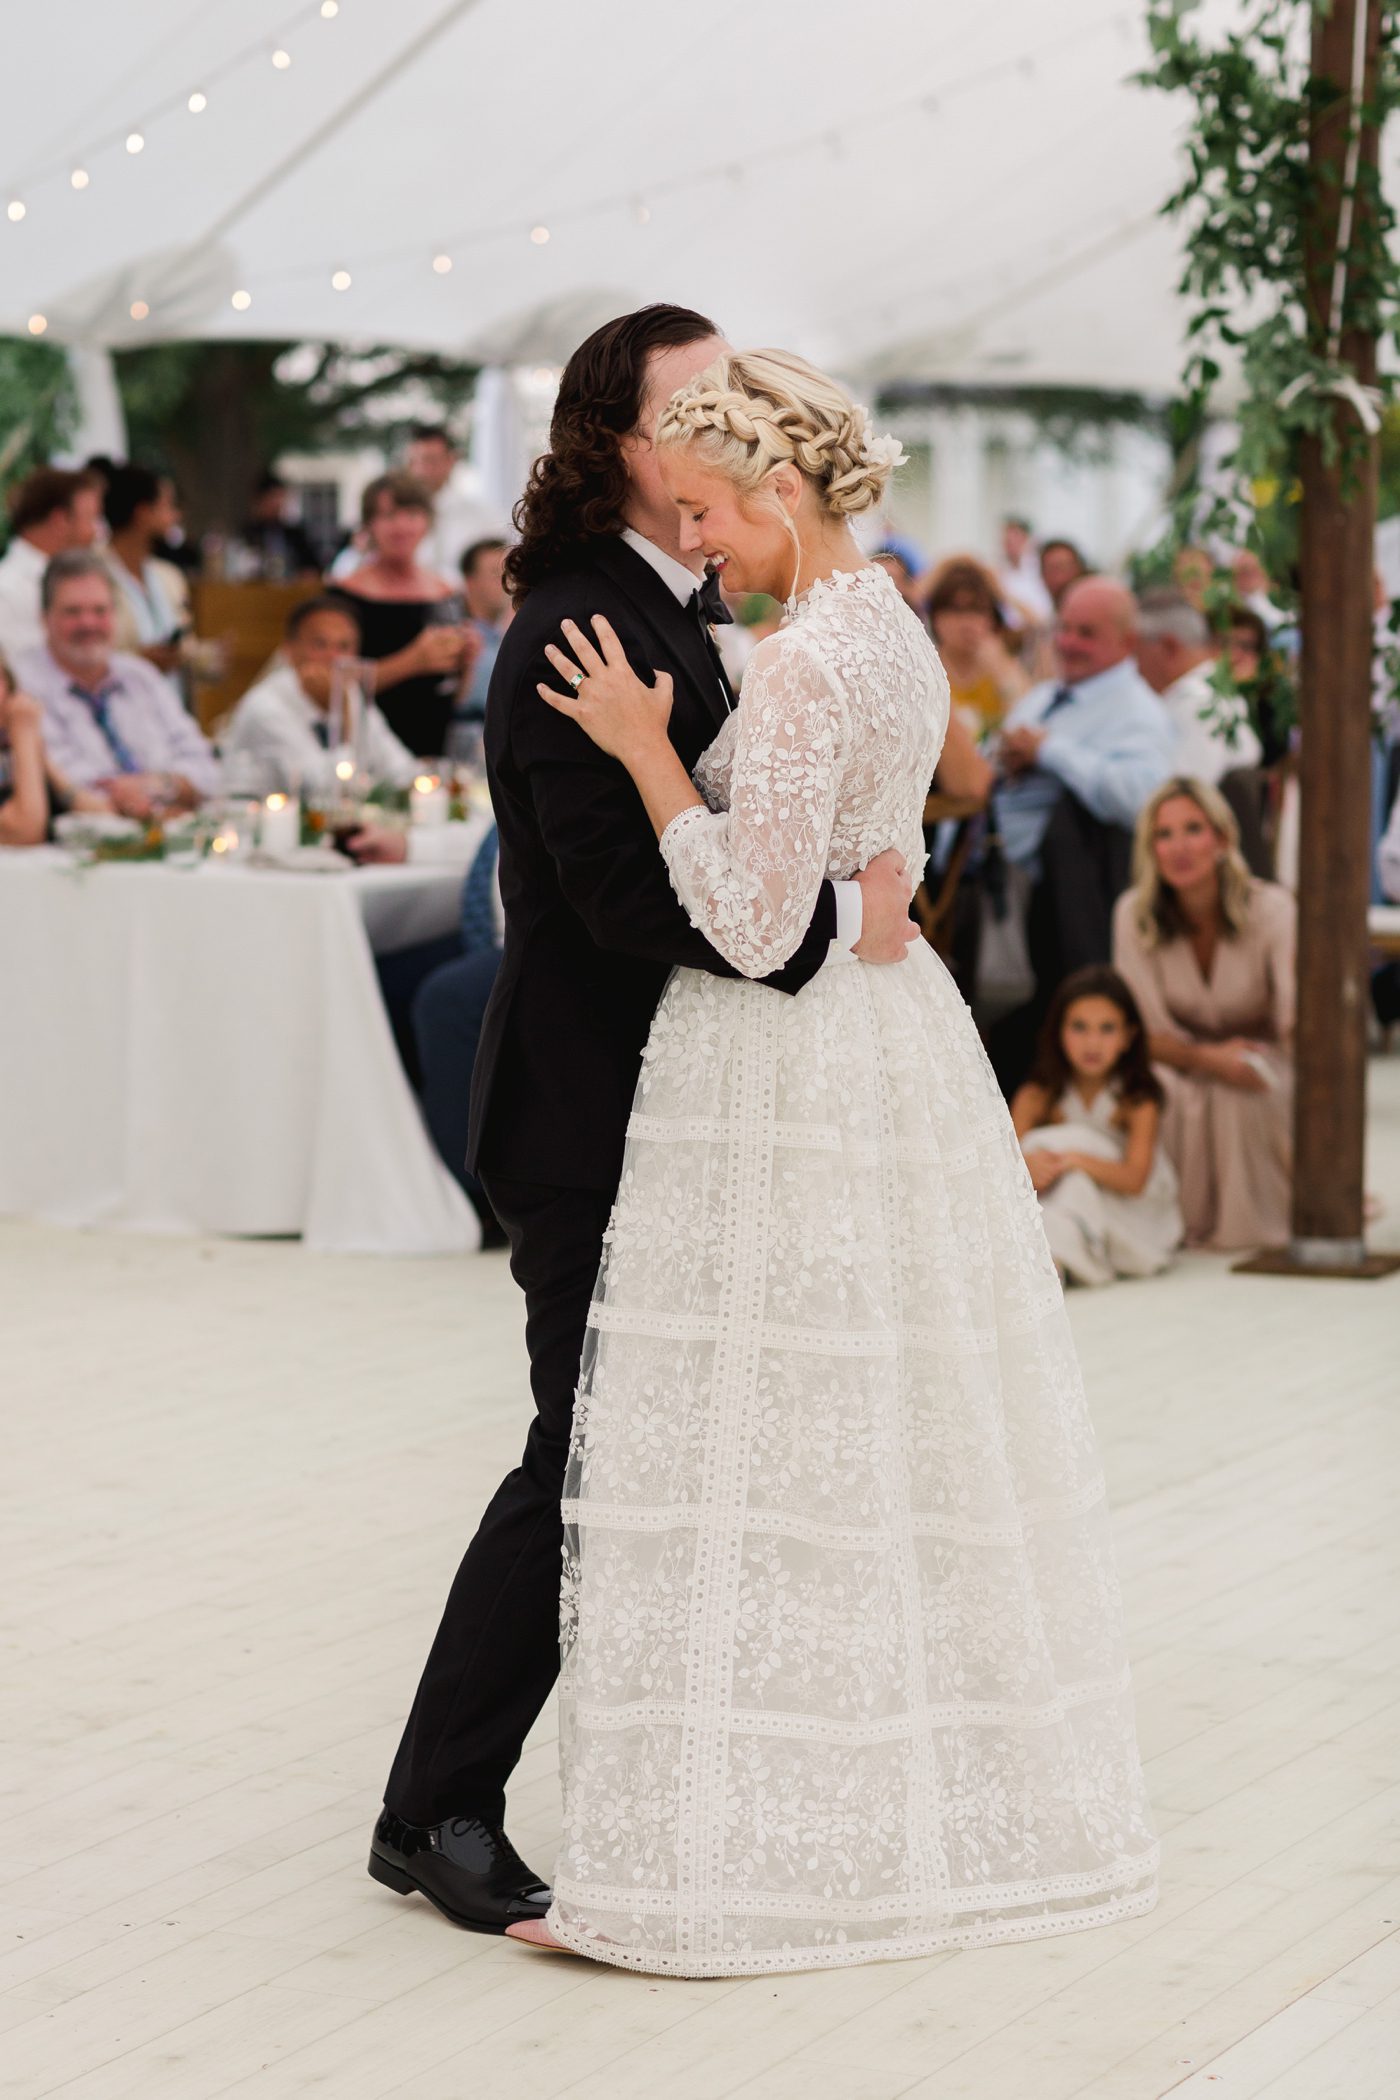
(760, 409)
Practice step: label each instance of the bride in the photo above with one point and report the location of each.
(844, 1677)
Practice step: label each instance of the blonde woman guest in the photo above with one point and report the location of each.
(830, 1385)
(1209, 952)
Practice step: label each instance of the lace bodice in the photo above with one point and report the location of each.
(825, 762)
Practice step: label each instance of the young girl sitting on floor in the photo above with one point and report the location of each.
(1089, 1120)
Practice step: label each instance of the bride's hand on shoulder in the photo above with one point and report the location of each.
(604, 695)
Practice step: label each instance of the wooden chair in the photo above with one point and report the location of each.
(934, 912)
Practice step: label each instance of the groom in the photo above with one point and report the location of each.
(592, 931)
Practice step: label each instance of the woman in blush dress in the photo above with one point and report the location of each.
(844, 1676)
(1210, 953)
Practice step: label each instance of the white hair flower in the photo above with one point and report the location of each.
(885, 451)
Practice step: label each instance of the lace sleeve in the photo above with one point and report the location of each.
(748, 876)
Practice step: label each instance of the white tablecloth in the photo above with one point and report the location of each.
(207, 1051)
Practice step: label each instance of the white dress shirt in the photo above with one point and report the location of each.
(274, 734)
(683, 583)
(1212, 729)
(460, 519)
(21, 579)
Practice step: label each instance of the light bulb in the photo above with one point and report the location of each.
(14, 211)
(80, 178)
(281, 59)
(241, 301)
(139, 309)
(642, 214)
(134, 142)
(442, 264)
(197, 102)
(329, 10)
(539, 235)
(37, 324)
(340, 281)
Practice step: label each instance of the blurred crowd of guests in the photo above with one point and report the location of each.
(1110, 855)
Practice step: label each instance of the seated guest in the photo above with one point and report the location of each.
(1176, 657)
(1079, 757)
(459, 518)
(964, 612)
(281, 546)
(901, 575)
(1388, 854)
(410, 618)
(488, 615)
(24, 787)
(1089, 1123)
(1209, 952)
(111, 722)
(279, 732)
(1061, 565)
(447, 1011)
(153, 599)
(50, 512)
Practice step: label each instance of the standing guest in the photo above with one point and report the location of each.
(1253, 589)
(410, 618)
(1176, 656)
(111, 722)
(1208, 950)
(24, 787)
(1061, 565)
(459, 519)
(488, 615)
(50, 512)
(280, 731)
(964, 611)
(270, 532)
(1019, 578)
(153, 599)
(901, 575)
(1193, 573)
(1089, 1121)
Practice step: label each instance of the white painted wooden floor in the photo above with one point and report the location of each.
(237, 1481)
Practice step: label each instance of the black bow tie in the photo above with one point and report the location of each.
(710, 605)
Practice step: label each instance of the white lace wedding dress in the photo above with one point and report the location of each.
(844, 1677)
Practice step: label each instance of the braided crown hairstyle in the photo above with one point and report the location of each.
(760, 409)
(577, 491)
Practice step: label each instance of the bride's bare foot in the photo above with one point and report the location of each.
(537, 1934)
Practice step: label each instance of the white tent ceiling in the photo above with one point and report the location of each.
(914, 188)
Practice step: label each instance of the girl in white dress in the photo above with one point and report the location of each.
(1090, 1123)
(844, 1677)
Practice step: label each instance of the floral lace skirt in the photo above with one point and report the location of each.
(844, 1675)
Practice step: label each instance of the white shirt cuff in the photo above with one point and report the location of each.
(850, 917)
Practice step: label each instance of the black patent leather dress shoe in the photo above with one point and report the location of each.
(468, 1868)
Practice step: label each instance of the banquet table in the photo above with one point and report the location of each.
(205, 1050)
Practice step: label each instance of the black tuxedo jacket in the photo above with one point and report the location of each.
(593, 926)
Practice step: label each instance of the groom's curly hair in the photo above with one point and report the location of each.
(577, 491)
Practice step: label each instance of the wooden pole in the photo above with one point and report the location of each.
(1336, 562)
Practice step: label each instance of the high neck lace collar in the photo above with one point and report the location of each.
(837, 584)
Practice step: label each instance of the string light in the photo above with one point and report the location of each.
(539, 235)
(37, 324)
(641, 213)
(197, 103)
(329, 10)
(442, 264)
(80, 178)
(14, 211)
(139, 309)
(341, 281)
(134, 142)
(281, 59)
(241, 301)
